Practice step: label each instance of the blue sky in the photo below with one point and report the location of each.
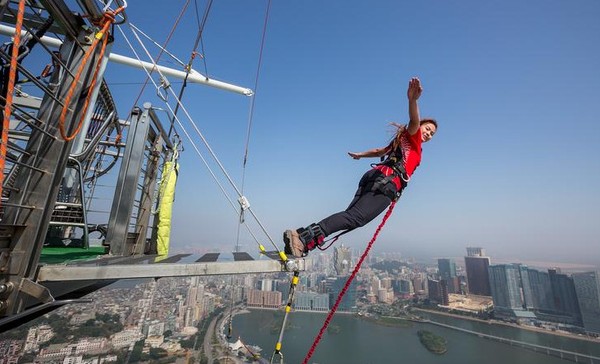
(515, 86)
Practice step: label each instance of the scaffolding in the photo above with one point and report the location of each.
(58, 239)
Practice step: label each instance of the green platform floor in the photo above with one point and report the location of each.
(58, 255)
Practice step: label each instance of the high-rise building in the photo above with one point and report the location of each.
(526, 290)
(266, 284)
(505, 285)
(475, 252)
(419, 285)
(335, 286)
(550, 295)
(342, 259)
(477, 266)
(438, 291)
(447, 272)
(375, 284)
(403, 286)
(385, 295)
(258, 298)
(446, 268)
(564, 295)
(541, 291)
(311, 301)
(587, 287)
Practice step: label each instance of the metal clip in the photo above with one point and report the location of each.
(164, 84)
(244, 203)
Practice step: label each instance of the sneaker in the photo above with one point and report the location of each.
(293, 244)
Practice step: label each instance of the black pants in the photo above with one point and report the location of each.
(366, 205)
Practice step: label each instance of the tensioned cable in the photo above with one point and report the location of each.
(260, 55)
(233, 205)
(163, 49)
(202, 138)
(201, 42)
(206, 144)
(188, 67)
(251, 113)
(155, 61)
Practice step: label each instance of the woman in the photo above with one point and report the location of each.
(379, 186)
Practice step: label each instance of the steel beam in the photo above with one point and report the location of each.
(129, 174)
(53, 273)
(193, 76)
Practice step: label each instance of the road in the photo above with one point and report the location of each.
(208, 338)
(221, 354)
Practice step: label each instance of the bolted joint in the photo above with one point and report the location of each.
(291, 265)
(6, 288)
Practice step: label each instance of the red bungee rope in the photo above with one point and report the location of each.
(347, 285)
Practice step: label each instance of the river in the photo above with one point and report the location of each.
(362, 342)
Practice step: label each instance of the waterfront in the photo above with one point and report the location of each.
(363, 342)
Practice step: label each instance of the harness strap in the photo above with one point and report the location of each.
(394, 162)
(382, 185)
(312, 236)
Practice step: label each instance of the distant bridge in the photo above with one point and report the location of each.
(560, 353)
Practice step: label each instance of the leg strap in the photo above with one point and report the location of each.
(312, 236)
(386, 186)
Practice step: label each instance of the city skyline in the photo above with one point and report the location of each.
(179, 306)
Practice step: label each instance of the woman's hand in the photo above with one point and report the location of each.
(354, 155)
(414, 89)
(413, 93)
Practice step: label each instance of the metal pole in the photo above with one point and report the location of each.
(194, 76)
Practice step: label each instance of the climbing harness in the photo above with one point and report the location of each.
(347, 285)
(384, 184)
(288, 308)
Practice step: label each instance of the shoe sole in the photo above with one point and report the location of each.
(287, 239)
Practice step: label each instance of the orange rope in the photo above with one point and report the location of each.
(10, 90)
(107, 20)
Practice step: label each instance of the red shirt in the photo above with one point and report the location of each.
(411, 150)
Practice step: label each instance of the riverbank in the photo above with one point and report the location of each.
(388, 321)
(508, 324)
